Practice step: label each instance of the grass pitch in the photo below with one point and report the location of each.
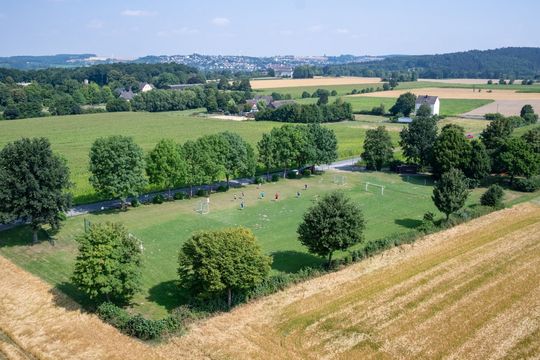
(163, 229)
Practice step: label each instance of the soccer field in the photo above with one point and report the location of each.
(163, 228)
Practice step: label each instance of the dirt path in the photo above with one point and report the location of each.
(469, 292)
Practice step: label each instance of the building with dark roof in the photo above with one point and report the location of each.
(431, 101)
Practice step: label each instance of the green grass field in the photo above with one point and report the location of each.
(296, 92)
(449, 107)
(72, 136)
(163, 228)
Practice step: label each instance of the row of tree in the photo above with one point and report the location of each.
(308, 113)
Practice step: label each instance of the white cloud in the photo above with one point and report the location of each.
(137, 13)
(95, 24)
(286, 32)
(342, 31)
(315, 28)
(177, 32)
(221, 21)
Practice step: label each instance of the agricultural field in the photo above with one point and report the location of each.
(296, 92)
(72, 136)
(316, 81)
(163, 228)
(468, 292)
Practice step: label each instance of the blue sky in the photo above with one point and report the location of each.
(127, 29)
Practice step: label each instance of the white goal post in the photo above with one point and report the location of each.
(203, 207)
(340, 180)
(368, 184)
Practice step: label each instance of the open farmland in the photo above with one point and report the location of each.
(72, 136)
(469, 292)
(316, 81)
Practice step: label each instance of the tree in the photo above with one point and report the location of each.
(33, 184)
(519, 159)
(378, 148)
(325, 144)
(305, 95)
(393, 83)
(290, 147)
(323, 99)
(424, 110)
(108, 265)
(451, 150)
(238, 157)
(118, 104)
(405, 104)
(493, 196)
(266, 149)
(478, 165)
(526, 109)
(333, 223)
(117, 166)
(418, 138)
(222, 261)
(195, 156)
(494, 136)
(532, 137)
(450, 192)
(528, 115)
(165, 165)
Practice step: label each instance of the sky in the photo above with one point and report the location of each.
(129, 29)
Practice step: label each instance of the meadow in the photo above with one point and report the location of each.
(72, 136)
(163, 228)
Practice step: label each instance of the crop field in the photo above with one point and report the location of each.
(163, 228)
(72, 136)
(296, 92)
(457, 93)
(317, 81)
(469, 292)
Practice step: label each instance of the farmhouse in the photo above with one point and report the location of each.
(125, 94)
(268, 101)
(144, 87)
(282, 71)
(432, 101)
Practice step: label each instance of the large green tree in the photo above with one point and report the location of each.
(334, 223)
(197, 160)
(267, 152)
(378, 148)
(418, 138)
(238, 156)
(494, 136)
(404, 104)
(450, 192)
(478, 165)
(33, 184)
(291, 147)
(117, 166)
(325, 143)
(519, 158)
(165, 165)
(532, 137)
(108, 265)
(451, 150)
(222, 262)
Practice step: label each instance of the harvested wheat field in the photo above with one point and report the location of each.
(457, 93)
(505, 107)
(316, 81)
(469, 292)
(463, 81)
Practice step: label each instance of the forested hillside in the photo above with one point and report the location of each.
(511, 62)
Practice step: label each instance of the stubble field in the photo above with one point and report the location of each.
(316, 81)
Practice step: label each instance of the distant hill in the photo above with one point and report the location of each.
(510, 62)
(28, 62)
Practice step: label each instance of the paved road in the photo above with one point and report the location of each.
(115, 204)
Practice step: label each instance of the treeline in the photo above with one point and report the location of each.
(208, 96)
(507, 63)
(308, 113)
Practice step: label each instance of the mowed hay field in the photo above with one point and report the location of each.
(469, 292)
(72, 136)
(316, 81)
(458, 93)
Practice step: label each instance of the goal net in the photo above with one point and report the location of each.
(375, 186)
(203, 207)
(340, 180)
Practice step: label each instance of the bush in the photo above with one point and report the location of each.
(222, 188)
(136, 325)
(378, 110)
(275, 177)
(493, 196)
(259, 180)
(202, 192)
(135, 202)
(527, 185)
(306, 172)
(293, 174)
(158, 199)
(179, 195)
(473, 183)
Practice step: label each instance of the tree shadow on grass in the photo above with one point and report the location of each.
(67, 296)
(22, 236)
(408, 223)
(291, 261)
(168, 294)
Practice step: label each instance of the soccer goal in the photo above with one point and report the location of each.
(368, 185)
(340, 180)
(203, 207)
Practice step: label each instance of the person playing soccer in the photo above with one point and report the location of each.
(276, 197)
